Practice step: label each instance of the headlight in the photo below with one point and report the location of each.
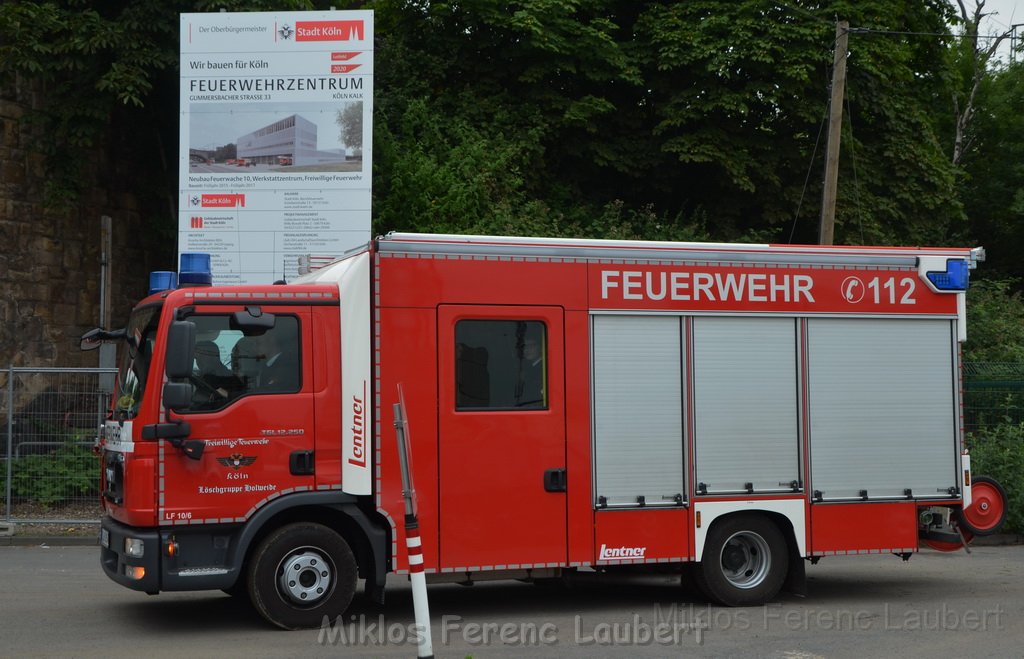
(133, 547)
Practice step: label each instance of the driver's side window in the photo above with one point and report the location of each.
(229, 364)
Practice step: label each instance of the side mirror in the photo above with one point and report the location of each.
(178, 395)
(181, 346)
(91, 339)
(96, 336)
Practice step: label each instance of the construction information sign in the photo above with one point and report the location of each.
(275, 140)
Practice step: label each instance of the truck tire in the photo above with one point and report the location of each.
(300, 573)
(745, 561)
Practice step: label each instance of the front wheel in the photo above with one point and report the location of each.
(745, 561)
(301, 573)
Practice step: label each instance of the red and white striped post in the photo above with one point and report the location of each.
(413, 545)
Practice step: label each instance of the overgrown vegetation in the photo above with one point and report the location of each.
(67, 471)
(570, 117)
(998, 452)
(995, 321)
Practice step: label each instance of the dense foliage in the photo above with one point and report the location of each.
(993, 183)
(556, 115)
(103, 74)
(60, 468)
(706, 113)
(617, 118)
(995, 322)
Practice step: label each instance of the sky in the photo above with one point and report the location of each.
(1004, 14)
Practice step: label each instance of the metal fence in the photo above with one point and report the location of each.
(51, 418)
(993, 394)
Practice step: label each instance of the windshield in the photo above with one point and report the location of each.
(136, 353)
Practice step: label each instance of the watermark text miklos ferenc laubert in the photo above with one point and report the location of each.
(671, 625)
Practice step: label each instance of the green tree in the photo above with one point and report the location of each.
(971, 55)
(105, 73)
(741, 91)
(571, 116)
(993, 171)
(350, 121)
(544, 75)
(703, 108)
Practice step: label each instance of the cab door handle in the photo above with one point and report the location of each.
(302, 463)
(554, 480)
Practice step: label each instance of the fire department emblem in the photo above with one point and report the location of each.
(236, 461)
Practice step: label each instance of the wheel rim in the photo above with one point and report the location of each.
(987, 507)
(305, 576)
(746, 560)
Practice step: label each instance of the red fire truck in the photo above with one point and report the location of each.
(573, 406)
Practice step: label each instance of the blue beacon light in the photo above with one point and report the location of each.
(195, 270)
(956, 277)
(162, 280)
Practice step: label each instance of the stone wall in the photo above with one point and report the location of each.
(50, 258)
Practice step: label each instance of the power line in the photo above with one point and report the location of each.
(806, 13)
(868, 30)
(856, 183)
(810, 166)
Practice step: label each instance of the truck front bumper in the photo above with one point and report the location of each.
(130, 556)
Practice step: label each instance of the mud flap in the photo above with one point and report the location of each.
(374, 592)
(796, 579)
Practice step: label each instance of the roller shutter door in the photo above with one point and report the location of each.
(746, 433)
(882, 408)
(638, 421)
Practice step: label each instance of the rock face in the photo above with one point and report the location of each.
(50, 258)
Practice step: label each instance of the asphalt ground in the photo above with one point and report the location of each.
(55, 601)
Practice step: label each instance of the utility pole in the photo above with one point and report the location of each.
(835, 123)
(108, 351)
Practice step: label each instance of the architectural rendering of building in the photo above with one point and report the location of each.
(289, 141)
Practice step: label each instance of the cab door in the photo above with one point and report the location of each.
(502, 436)
(255, 418)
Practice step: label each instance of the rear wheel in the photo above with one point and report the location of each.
(301, 573)
(745, 561)
(987, 511)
